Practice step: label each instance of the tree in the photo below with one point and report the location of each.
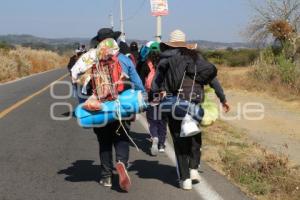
(277, 19)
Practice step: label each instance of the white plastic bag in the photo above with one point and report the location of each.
(189, 126)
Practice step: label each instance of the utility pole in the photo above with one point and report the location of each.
(158, 28)
(122, 21)
(111, 19)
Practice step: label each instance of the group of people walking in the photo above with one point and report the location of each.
(173, 75)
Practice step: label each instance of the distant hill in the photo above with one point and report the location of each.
(60, 45)
(64, 43)
(21, 39)
(203, 44)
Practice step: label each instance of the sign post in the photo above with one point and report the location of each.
(159, 8)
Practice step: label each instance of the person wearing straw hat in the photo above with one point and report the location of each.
(178, 84)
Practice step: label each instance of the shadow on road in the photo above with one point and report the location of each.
(82, 171)
(154, 170)
(142, 140)
(87, 171)
(69, 114)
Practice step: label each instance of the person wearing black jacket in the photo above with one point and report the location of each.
(180, 64)
(134, 50)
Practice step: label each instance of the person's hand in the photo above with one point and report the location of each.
(158, 99)
(162, 94)
(155, 101)
(226, 107)
(124, 76)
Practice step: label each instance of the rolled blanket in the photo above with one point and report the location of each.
(129, 102)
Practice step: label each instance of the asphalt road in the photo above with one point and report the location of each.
(42, 158)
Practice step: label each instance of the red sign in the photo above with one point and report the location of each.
(159, 7)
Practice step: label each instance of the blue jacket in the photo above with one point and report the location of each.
(129, 68)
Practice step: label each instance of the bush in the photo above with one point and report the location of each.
(231, 57)
(296, 56)
(287, 70)
(5, 47)
(277, 69)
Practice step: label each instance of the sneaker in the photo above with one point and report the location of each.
(195, 176)
(124, 179)
(154, 147)
(106, 182)
(161, 148)
(186, 184)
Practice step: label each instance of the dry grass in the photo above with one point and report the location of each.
(246, 78)
(258, 172)
(22, 61)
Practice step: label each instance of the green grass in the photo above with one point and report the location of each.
(232, 58)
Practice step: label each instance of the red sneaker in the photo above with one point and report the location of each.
(124, 179)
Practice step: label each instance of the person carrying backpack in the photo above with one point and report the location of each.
(106, 62)
(179, 80)
(146, 68)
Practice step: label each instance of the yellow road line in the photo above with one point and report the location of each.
(21, 102)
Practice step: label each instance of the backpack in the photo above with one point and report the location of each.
(205, 73)
(198, 92)
(150, 77)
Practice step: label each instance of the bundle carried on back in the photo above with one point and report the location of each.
(107, 73)
(109, 101)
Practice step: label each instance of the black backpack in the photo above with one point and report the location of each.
(205, 70)
(205, 73)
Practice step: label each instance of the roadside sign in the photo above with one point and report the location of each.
(159, 7)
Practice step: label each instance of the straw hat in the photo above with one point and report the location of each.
(178, 39)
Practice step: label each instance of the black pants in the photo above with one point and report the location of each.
(187, 149)
(107, 138)
(196, 151)
(182, 147)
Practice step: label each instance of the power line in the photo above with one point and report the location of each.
(136, 11)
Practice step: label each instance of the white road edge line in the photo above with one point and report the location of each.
(29, 76)
(204, 190)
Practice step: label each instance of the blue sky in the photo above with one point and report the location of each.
(215, 20)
